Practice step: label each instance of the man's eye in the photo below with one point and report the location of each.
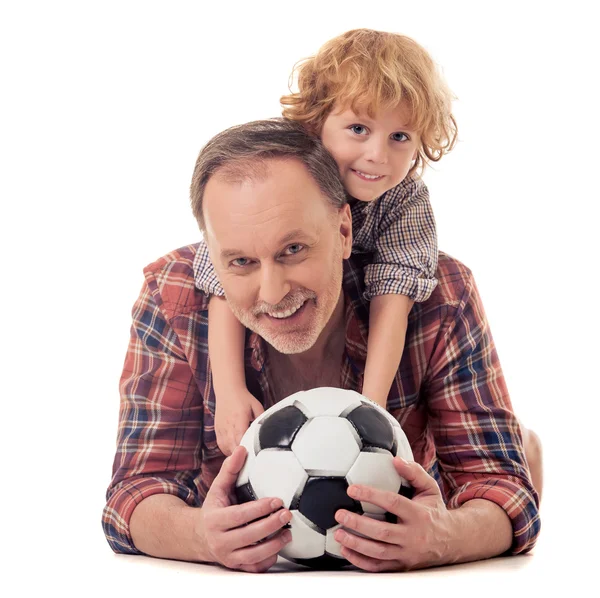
(240, 262)
(399, 136)
(359, 129)
(295, 248)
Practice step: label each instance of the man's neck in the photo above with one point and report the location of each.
(327, 351)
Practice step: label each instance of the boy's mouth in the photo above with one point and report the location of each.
(367, 177)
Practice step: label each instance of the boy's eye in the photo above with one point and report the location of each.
(399, 136)
(359, 129)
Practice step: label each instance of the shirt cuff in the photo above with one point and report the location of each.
(209, 285)
(520, 506)
(388, 279)
(120, 506)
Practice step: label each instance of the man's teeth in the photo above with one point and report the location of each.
(286, 314)
(369, 176)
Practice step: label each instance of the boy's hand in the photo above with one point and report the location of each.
(234, 413)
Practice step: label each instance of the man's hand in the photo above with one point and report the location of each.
(237, 536)
(234, 412)
(421, 538)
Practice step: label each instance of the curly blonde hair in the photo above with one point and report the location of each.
(367, 69)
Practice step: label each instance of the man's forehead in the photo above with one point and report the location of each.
(285, 192)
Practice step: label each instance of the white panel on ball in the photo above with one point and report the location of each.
(327, 446)
(332, 546)
(376, 470)
(306, 543)
(403, 449)
(328, 401)
(277, 473)
(247, 442)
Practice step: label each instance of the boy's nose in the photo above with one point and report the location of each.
(377, 153)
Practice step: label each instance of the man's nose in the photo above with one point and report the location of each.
(273, 284)
(376, 151)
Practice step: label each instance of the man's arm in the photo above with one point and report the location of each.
(153, 502)
(160, 420)
(483, 530)
(246, 537)
(427, 533)
(492, 506)
(477, 435)
(164, 526)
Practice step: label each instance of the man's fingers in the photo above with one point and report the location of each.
(257, 531)
(236, 516)
(419, 479)
(391, 533)
(262, 556)
(399, 505)
(225, 480)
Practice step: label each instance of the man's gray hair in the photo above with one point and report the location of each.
(242, 153)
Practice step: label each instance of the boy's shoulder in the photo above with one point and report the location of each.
(410, 189)
(170, 279)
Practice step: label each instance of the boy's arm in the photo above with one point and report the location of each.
(235, 406)
(387, 332)
(225, 348)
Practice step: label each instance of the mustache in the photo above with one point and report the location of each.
(289, 301)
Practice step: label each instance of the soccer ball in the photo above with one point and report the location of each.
(306, 450)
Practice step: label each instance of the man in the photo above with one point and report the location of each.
(270, 203)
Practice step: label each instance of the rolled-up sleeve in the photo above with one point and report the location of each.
(160, 423)
(405, 259)
(206, 278)
(477, 436)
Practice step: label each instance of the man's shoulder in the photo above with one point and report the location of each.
(454, 281)
(455, 284)
(170, 279)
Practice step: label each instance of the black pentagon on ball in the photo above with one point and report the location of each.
(407, 491)
(322, 497)
(323, 562)
(245, 493)
(373, 427)
(280, 429)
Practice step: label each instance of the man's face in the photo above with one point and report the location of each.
(277, 246)
(374, 154)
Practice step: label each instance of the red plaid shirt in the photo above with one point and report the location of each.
(449, 396)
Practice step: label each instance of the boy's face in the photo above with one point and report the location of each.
(373, 154)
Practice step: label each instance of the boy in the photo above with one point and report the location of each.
(383, 111)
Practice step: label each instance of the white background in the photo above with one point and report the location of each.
(104, 107)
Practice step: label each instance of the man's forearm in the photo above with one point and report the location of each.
(164, 526)
(483, 530)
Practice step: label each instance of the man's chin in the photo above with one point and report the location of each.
(288, 345)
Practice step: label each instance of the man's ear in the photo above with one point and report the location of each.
(345, 224)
